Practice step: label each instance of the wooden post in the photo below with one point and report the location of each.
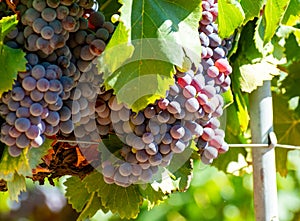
(264, 169)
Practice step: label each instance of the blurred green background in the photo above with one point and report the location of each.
(213, 195)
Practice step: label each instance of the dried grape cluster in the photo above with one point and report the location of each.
(61, 94)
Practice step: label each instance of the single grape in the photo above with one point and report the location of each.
(69, 23)
(48, 14)
(53, 3)
(189, 91)
(51, 97)
(17, 93)
(43, 84)
(177, 146)
(97, 46)
(177, 131)
(23, 112)
(36, 109)
(36, 95)
(147, 138)
(155, 160)
(22, 124)
(96, 19)
(39, 5)
(137, 119)
(141, 156)
(102, 33)
(33, 132)
(125, 169)
(108, 170)
(66, 127)
(47, 32)
(38, 141)
(151, 148)
(14, 151)
(192, 104)
(29, 83)
(53, 118)
(22, 141)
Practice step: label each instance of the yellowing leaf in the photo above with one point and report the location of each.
(292, 13)
(16, 186)
(253, 75)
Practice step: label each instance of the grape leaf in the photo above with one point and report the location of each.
(287, 129)
(11, 61)
(76, 198)
(10, 165)
(292, 48)
(230, 17)
(7, 24)
(272, 17)
(292, 14)
(253, 75)
(108, 8)
(151, 39)
(251, 8)
(228, 98)
(35, 155)
(90, 209)
(291, 83)
(16, 186)
(184, 174)
(153, 196)
(124, 201)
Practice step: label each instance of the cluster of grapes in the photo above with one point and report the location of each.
(189, 112)
(60, 93)
(62, 39)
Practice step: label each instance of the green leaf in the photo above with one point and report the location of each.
(230, 17)
(228, 98)
(184, 174)
(291, 83)
(292, 14)
(272, 17)
(16, 186)
(292, 48)
(11, 61)
(7, 24)
(153, 196)
(90, 209)
(76, 193)
(152, 38)
(141, 82)
(108, 8)
(10, 165)
(287, 129)
(251, 8)
(124, 201)
(35, 155)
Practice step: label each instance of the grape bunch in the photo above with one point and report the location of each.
(61, 93)
(189, 112)
(57, 93)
